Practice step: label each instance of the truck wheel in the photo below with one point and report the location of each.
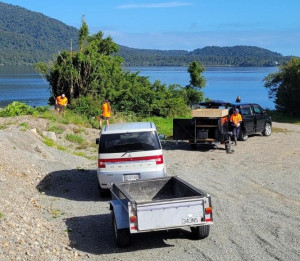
(268, 130)
(243, 136)
(121, 236)
(200, 232)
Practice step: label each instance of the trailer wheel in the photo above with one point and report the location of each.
(200, 232)
(121, 236)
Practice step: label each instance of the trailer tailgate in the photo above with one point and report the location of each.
(170, 214)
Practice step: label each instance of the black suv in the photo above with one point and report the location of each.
(255, 120)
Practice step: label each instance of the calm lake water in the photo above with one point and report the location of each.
(21, 83)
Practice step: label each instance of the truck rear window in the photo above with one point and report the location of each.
(124, 142)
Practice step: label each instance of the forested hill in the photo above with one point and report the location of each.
(208, 56)
(28, 37)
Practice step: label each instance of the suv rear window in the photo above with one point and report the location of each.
(124, 142)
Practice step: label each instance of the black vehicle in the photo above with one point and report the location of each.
(216, 129)
(255, 120)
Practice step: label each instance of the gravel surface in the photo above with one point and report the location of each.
(50, 208)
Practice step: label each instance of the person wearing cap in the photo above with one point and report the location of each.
(235, 120)
(106, 112)
(61, 102)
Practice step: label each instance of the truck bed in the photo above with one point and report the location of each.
(168, 188)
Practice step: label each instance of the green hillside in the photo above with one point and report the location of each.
(28, 37)
(208, 56)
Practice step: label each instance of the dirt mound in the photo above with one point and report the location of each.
(25, 160)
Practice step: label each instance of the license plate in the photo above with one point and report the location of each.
(129, 177)
(190, 220)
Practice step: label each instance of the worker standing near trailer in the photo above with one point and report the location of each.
(235, 120)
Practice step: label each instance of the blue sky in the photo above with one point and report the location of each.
(183, 24)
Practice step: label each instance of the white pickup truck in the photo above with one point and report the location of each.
(158, 204)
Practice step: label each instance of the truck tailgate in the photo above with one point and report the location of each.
(170, 214)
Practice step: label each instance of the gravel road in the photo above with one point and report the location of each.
(50, 208)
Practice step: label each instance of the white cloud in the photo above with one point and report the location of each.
(157, 5)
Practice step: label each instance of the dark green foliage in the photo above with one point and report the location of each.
(16, 109)
(208, 56)
(86, 105)
(197, 82)
(92, 73)
(284, 87)
(28, 37)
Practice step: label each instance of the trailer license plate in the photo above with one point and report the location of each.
(129, 177)
(190, 220)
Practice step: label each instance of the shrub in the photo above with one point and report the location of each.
(16, 109)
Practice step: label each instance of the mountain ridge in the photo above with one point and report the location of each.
(27, 37)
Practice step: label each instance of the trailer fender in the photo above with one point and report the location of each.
(121, 214)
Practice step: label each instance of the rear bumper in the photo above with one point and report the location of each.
(105, 179)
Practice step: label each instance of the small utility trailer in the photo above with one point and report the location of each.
(208, 126)
(158, 204)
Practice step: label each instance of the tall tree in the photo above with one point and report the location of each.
(197, 82)
(92, 73)
(284, 87)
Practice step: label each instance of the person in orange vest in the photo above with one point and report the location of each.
(61, 102)
(106, 112)
(235, 120)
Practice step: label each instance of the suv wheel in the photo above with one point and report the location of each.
(243, 136)
(268, 130)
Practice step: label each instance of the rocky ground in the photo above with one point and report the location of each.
(50, 207)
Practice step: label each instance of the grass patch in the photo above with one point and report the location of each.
(62, 148)
(1, 215)
(49, 142)
(3, 127)
(81, 154)
(24, 126)
(75, 138)
(56, 129)
(163, 125)
(78, 130)
(83, 146)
